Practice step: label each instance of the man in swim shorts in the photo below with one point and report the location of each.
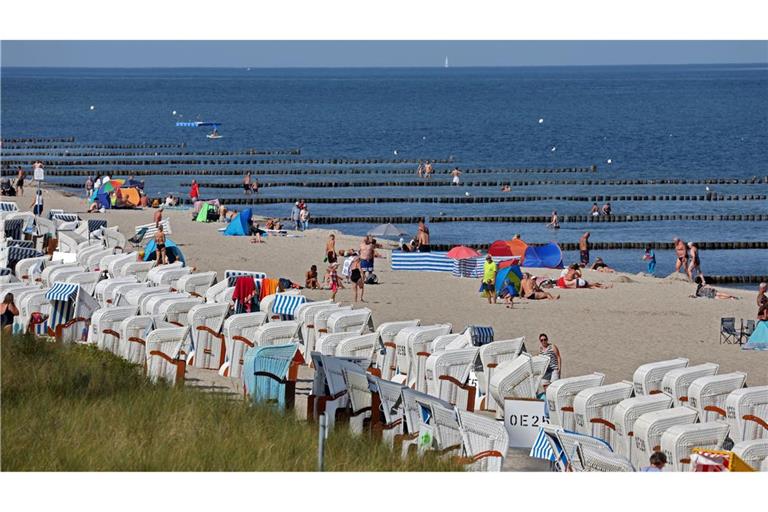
(160, 245)
(681, 250)
(584, 249)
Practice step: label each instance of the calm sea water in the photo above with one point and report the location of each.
(651, 122)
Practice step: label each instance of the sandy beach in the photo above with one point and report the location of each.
(640, 319)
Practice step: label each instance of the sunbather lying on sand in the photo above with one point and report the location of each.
(571, 278)
(600, 266)
(707, 292)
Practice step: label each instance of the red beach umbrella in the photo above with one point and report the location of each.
(461, 252)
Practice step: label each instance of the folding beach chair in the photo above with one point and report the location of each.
(747, 328)
(728, 332)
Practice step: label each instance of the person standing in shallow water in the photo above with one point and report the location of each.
(247, 183)
(650, 258)
(584, 249)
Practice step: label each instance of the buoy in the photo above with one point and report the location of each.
(610, 161)
(92, 107)
(466, 194)
(395, 151)
(173, 113)
(424, 138)
(554, 148)
(541, 120)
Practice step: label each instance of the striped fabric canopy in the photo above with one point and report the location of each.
(5, 271)
(27, 244)
(424, 261)
(473, 267)
(541, 448)
(62, 291)
(8, 206)
(54, 211)
(94, 224)
(16, 254)
(66, 217)
(13, 228)
(285, 305)
(480, 335)
(232, 275)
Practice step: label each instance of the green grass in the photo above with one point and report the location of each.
(75, 408)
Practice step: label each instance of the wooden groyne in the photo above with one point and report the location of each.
(114, 153)
(246, 161)
(629, 246)
(540, 219)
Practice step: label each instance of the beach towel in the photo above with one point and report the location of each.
(244, 294)
(268, 287)
(347, 267)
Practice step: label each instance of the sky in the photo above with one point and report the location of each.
(276, 54)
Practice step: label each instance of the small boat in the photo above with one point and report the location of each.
(214, 134)
(446, 62)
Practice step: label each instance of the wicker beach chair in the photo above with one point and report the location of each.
(746, 411)
(329, 391)
(560, 395)
(93, 261)
(116, 293)
(363, 345)
(491, 355)
(485, 440)
(676, 382)
(360, 398)
(649, 427)
(386, 362)
(87, 280)
(269, 374)
(570, 444)
(220, 293)
(753, 452)
(356, 321)
(71, 311)
(154, 274)
(28, 269)
(33, 303)
(414, 403)
(447, 373)
(445, 341)
(593, 409)
(678, 441)
(103, 290)
(115, 265)
(239, 331)
(598, 460)
(517, 378)
(166, 354)
(391, 421)
(132, 342)
(176, 311)
(321, 319)
(50, 273)
(205, 322)
(648, 377)
(196, 284)
(326, 343)
(171, 276)
(135, 296)
(305, 314)
(105, 327)
(138, 269)
(625, 415)
(707, 394)
(412, 350)
(275, 333)
(150, 305)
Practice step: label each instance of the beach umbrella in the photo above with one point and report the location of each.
(110, 186)
(461, 252)
(387, 230)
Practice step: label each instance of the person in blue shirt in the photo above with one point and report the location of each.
(658, 460)
(650, 258)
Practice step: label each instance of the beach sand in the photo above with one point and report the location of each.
(640, 319)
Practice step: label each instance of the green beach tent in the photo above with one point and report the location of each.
(202, 215)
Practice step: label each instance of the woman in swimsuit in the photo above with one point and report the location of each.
(356, 276)
(8, 310)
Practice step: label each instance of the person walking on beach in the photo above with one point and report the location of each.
(762, 298)
(367, 251)
(194, 191)
(247, 183)
(333, 280)
(650, 258)
(681, 250)
(356, 276)
(37, 204)
(88, 187)
(584, 249)
(160, 246)
(422, 238)
(304, 218)
(330, 249)
(295, 213)
(694, 264)
(158, 217)
(489, 279)
(456, 173)
(554, 222)
(20, 182)
(555, 366)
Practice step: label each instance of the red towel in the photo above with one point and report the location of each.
(244, 291)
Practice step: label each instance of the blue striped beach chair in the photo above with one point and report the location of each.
(285, 305)
(481, 335)
(269, 374)
(8, 206)
(70, 306)
(13, 228)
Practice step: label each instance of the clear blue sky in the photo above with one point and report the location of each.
(375, 53)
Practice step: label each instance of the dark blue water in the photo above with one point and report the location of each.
(651, 122)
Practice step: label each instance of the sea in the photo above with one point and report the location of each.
(690, 122)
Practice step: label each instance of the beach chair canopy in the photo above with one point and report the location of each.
(240, 225)
(171, 250)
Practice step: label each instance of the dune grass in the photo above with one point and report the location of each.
(75, 408)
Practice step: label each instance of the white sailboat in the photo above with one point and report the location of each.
(446, 62)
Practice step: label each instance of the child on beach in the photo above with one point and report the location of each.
(650, 258)
(311, 280)
(333, 280)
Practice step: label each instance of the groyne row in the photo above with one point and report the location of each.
(144, 162)
(63, 144)
(630, 246)
(72, 154)
(24, 140)
(539, 219)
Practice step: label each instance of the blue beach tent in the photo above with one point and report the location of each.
(759, 338)
(543, 256)
(509, 277)
(240, 225)
(172, 251)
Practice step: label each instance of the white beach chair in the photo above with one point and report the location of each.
(413, 403)
(560, 395)
(115, 293)
(35, 302)
(363, 346)
(171, 276)
(153, 276)
(30, 268)
(443, 342)
(676, 382)
(132, 341)
(412, 345)
(176, 311)
(275, 333)
(166, 356)
(486, 441)
(196, 284)
(68, 241)
(447, 373)
(138, 269)
(87, 280)
(152, 229)
(603, 461)
(205, 322)
(93, 261)
(753, 452)
(593, 409)
(282, 305)
(48, 276)
(239, 331)
(115, 265)
(355, 321)
(70, 307)
(135, 296)
(678, 441)
(625, 415)
(220, 293)
(387, 332)
(305, 315)
(650, 426)
(329, 389)
(360, 398)
(84, 253)
(16, 289)
(746, 411)
(112, 237)
(647, 378)
(491, 355)
(63, 274)
(104, 288)
(230, 276)
(327, 343)
(391, 408)
(150, 305)
(707, 394)
(104, 331)
(517, 378)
